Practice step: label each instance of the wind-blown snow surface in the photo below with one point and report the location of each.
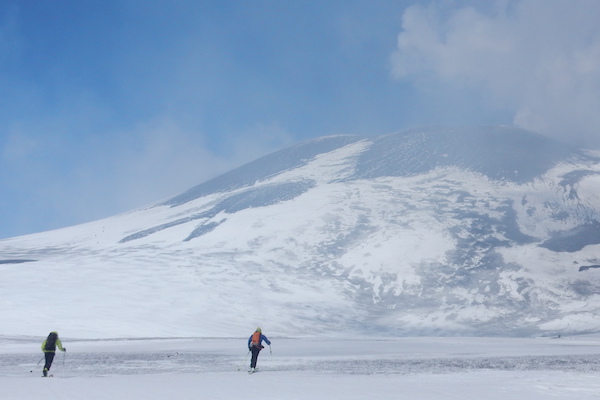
(301, 368)
(480, 231)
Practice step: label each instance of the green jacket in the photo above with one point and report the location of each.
(58, 343)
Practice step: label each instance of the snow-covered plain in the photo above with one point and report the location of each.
(306, 368)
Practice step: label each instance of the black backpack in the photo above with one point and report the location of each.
(51, 341)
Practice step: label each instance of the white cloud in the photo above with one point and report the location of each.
(157, 159)
(161, 158)
(539, 59)
(59, 183)
(253, 143)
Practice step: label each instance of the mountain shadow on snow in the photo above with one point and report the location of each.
(499, 153)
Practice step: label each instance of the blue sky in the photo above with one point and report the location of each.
(107, 106)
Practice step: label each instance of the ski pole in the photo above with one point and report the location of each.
(38, 363)
(270, 351)
(244, 362)
(64, 357)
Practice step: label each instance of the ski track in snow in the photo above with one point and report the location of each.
(94, 364)
(157, 356)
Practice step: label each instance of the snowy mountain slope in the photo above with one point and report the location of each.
(489, 230)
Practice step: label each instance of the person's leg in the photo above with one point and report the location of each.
(255, 351)
(49, 357)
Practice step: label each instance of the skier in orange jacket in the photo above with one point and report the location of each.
(255, 346)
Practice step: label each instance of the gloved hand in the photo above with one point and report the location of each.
(64, 349)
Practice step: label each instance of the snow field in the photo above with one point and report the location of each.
(306, 368)
(305, 385)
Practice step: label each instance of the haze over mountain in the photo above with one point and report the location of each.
(446, 231)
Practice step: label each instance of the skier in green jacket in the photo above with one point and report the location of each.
(49, 349)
